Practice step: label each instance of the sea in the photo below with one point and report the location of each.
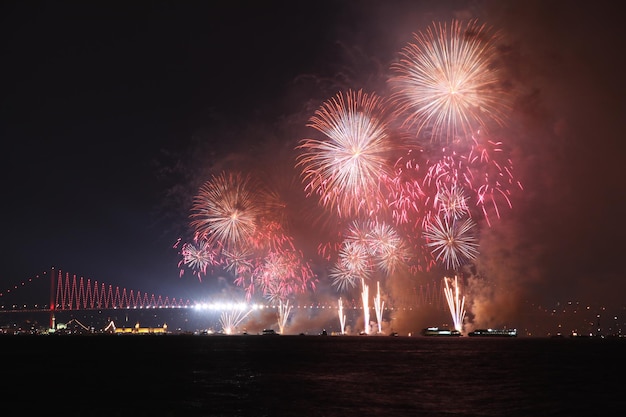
(312, 375)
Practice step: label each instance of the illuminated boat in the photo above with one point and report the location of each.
(436, 331)
(269, 332)
(493, 333)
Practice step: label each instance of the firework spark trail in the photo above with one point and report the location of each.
(198, 257)
(388, 247)
(353, 264)
(342, 317)
(282, 274)
(366, 307)
(230, 320)
(239, 261)
(342, 278)
(345, 169)
(448, 80)
(378, 244)
(226, 209)
(284, 310)
(491, 175)
(447, 177)
(451, 241)
(368, 246)
(455, 304)
(379, 305)
(426, 188)
(270, 236)
(452, 202)
(451, 179)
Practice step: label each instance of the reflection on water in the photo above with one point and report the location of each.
(345, 376)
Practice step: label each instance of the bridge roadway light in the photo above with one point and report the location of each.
(227, 306)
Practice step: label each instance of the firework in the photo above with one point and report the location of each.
(379, 305)
(491, 175)
(230, 320)
(452, 241)
(358, 234)
(410, 201)
(226, 210)
(479, 174)
(271, 236)
(282, 274)
(342, 317)
(239, 261)
(407, 196)
(449, 179)
(456, 304)
(344, 169)
(353, 264)
(366, 308)
(342, 278)
(387, 247)
(198, 257)
(284, 310)
(375, 244)
(452, 202)
(448, 81)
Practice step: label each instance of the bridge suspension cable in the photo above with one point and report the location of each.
(76, 293)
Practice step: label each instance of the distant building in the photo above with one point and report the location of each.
(110, 328)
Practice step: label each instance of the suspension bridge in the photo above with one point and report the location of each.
(70, 292)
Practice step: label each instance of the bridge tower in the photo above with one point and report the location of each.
(52, 300)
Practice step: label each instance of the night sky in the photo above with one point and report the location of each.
(113, 113)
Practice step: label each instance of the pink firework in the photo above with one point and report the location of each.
(407, 197)
(452, 202)
(280, 275)
(239, 260)
(479, 175)
(198, 257)
(354, 264)
(448, 81)
(343, 278)
(345, 167)
(411, 200)
(270, 235)
(388, 248)
(383, 244)
(491, 175)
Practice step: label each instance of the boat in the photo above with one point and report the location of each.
(269, 332)
(493, 333)
(436, 331)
